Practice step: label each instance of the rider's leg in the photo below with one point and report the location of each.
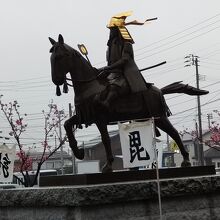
(116, 89)
(112, 94)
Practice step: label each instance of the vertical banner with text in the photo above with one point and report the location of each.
(137, 144)
(159, 151)
(7, 157)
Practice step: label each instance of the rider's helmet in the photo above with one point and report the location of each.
(118, 21)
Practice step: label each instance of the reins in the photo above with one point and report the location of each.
(66, 84)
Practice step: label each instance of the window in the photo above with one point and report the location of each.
(186, 147)
(49, 165)
(57, 164)
(195, 163)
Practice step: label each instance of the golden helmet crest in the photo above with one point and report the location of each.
(118, 20)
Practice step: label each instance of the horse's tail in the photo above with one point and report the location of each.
(179, 87)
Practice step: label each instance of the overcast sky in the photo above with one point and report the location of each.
(183, 27)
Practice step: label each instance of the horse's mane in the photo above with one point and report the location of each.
(73, 51)
(68, 48)
(83, 70)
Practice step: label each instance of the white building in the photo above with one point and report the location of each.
(211, 154)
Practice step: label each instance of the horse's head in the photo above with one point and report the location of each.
(60, 60)
(65, 59)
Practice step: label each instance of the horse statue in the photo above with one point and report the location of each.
(87, 86)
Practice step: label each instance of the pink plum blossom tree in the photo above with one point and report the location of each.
(18, 127)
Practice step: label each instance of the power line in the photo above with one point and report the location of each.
(18, 87)
(191, 27)
(183, 119)
(5, 84)
(170, 42)
(202, 87)
(212, 68)
(210, 63)
(171, 47)
(179, 32)
(212, 53)
(196, 107)
(215, 60)
(164, 72)
(23, 80)
(193, 99)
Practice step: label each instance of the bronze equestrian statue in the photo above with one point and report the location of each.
(114, 93)
(121, 71)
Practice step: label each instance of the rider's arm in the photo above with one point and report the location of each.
(127, 54)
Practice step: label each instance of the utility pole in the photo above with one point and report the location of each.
(168, 143)
(199, 116)
(73, 157)
(196, 142)
(60, 139)
(209, 117)
(193, 60)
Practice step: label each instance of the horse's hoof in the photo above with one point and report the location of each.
(107, 168)
(186, 163)
(79, 153)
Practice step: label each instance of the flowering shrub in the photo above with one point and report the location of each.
(18, 126)
(25, 159)
(214, 129)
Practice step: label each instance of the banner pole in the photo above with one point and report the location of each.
(157, 169)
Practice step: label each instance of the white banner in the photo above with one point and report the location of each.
(7, 157)
(137, 144)
(159, 150)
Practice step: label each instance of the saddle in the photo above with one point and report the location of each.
(129, 104)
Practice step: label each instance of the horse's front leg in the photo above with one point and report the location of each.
(69, 125)
(107, 144)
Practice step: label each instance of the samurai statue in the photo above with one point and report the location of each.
(121, 71)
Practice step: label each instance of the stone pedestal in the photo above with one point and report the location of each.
(182, 198)
(125, 176)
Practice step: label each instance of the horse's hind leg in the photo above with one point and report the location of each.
(164, 124)
(107, 144)
(69, 125)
